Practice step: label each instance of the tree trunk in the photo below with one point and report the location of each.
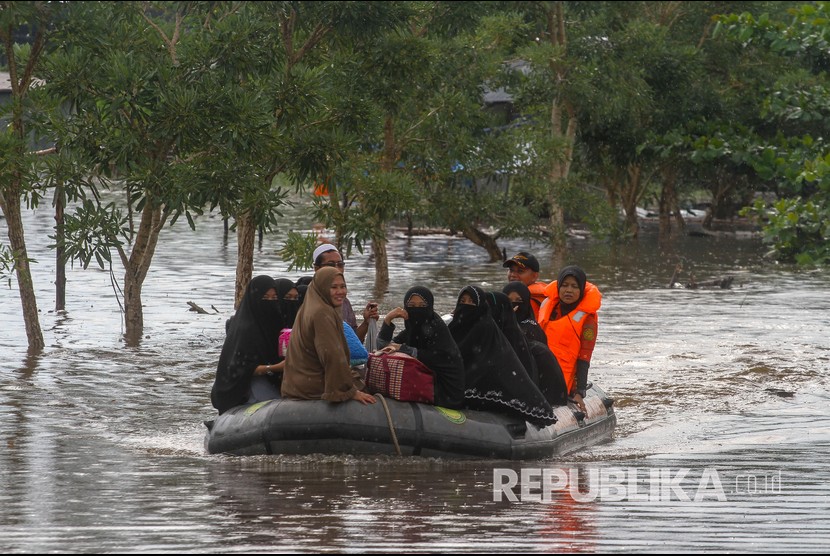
(630, 191)
(246, 235)
(558, 232)
(563, 129)
(559, 172)
(10, 203)
(483, 240)
(133, 311)
(669, 203)
(381, 265)
(60, 256)
(719, 194)
(136, 269)
(665, 212)
(391, 153)
(11, 182)
(678, 218)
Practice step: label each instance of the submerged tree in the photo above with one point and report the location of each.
(411, 82)
(18, 162)
(140, 84)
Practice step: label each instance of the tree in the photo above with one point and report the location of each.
(794, 158)
(415, 77)
(18, 165)
(140, 82)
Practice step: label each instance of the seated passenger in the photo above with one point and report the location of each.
(317, 364)
(569, 318)
(426, 337)
(302, 287)
(519, 295)
(250, 348)
(328, 256)
(289, 297)
(502, 312)
(549, 379)
(289, 303)
(494, 376)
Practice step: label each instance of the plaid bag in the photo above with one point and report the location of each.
(401, 377)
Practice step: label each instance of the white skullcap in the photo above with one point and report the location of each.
(324, 248)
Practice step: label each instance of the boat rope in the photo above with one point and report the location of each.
(391, 425)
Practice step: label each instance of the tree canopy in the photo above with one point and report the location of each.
(493, 119)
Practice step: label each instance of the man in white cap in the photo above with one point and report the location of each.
(328, 255)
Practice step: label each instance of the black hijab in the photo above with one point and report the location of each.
(418, 316)
(524, 313)
(495, 377)
(251, 341)
(301, 291)
(581, 279)
(302, 287)
(426, 331)
(506, 320)
(288, 307)
(467, 317)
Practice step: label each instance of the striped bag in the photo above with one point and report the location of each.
(401, 377)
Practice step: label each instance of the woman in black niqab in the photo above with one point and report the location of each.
(288, 307)
(426, 332)
(502, 311)
(549, 377)
(495, 377)
(251, 341)
(524, 312)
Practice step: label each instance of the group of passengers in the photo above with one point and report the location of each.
(522, 350)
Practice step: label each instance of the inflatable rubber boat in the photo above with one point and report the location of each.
(410, 429)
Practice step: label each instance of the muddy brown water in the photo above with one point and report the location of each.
(722, 400)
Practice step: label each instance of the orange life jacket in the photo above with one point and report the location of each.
(565, 333)
(537, 296)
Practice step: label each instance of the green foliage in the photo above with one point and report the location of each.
(8, 263)
(363, 198)
(796, 158)
(383, 101)
(91, 232)
(797, 230)
(298, 249)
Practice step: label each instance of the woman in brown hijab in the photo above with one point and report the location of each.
(317, 363)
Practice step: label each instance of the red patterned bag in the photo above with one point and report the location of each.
(401, 377)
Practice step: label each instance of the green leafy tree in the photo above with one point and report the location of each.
(19, 162)
(413, 80)
(146, 119)
(548, 94)
(792, 156)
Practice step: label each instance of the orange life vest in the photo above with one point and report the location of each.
(565, 333)
(537, 296)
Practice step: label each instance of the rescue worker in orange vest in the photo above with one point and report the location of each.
(569, 318)
(524, 268)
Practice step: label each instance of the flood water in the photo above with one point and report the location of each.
(721, 395)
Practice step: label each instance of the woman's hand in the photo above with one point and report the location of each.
(391, 348)
(397, 312)
(364, 398)
(580, 403)
(265, 369)
(371, 311)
